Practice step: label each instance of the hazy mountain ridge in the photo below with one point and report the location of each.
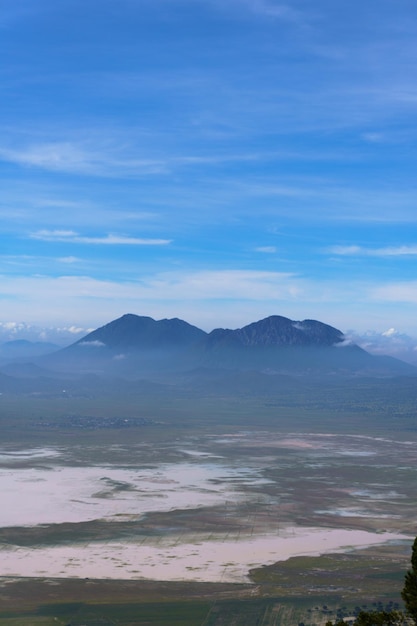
(22, 348)
(262, 358)
(132, 332)
(135, 345)
(278, 331)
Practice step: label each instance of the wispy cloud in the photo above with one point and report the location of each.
(272, 8)
(226, 284)
(245, 118)
(198, 285)
(389, 251)
(69, 259)
(208, 298)
(116, 158)
(63, 335)
(266, 8)
(74, 158)
(69, 236)
(390, 341)
(396, 292)
(266, 249)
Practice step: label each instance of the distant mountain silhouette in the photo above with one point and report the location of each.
(131, 345)
(277, 331)
(138, 346)
(285, 346)
(133, 332)
(22, 349)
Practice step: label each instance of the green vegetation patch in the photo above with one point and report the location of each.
(366, 575)
(159, 613)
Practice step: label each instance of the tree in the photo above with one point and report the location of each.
(393, 618)
(380, 618)
(374, 618)
(409, 592)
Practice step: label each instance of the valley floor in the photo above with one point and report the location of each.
(229, 511)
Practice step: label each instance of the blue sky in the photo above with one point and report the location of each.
(210, 160)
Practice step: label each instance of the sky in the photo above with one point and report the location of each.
(209, 160)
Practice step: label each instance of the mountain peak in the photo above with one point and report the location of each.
(134, 345)
(281, 331)
(137, 332)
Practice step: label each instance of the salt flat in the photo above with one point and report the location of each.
(58, 494)
(219, 559)
(252, 498)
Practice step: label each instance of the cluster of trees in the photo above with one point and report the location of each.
(393, 617)
(409, 592)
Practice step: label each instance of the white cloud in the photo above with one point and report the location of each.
(391, 342)
(266, 249)
(76, 330)
(69, 259)
(130, 165)
(14, 327)
(344, 250)
(82, 293)
(22, 330)
(70, 236)
(391, 332)
(207, 298)
(275, 9)
(373, 252)
(267, 8)
(113, 159)
(227, 284)
(396, 292)
(56, 235)
(74, 158)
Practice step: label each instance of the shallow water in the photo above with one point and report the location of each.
(312, 476)
(192, 558)
(32, 496)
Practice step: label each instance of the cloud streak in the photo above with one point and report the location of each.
(389, 251)
(116, 159)
(166, 286)
(396, 292)
(208, 298)
(73, 158)
(69, 236)
(266, 249)
(273, 9)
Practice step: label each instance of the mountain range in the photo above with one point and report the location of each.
(139, 346)
(137, 354)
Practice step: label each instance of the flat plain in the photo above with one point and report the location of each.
(206, 508)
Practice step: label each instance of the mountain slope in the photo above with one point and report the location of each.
(281, 345)
(133, 332)
(131, 345)
(136, 346)
(23, 349)
(279, 331)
